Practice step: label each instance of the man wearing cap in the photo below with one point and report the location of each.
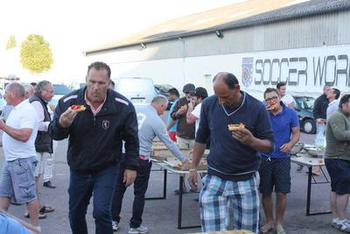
(184, 131)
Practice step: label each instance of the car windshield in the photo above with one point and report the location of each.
(61, 89)
(125, 86)
(163, 87)
(305, 102)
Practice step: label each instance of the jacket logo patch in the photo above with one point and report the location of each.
(105, 124)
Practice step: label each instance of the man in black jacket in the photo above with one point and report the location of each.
(95, 146)
(320, 115)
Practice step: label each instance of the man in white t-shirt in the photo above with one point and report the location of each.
(287, 99)
(194, 107)
(17, 177)
(333, 98)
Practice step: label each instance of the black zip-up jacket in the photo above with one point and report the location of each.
(95, 142)
(320, 107)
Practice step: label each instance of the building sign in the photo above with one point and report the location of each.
(305, 69)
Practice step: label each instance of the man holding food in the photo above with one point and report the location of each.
(96, 120)
(150, 126)
(230, 190)
(275, 167)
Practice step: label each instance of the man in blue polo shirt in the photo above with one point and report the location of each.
(230, 190)
(275, 167)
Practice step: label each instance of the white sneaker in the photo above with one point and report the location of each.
(345, 225)
(115, 225)
(139, 230)
(336, 223)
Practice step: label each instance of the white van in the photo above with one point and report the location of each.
(138, 90)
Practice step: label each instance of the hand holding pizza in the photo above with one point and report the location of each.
(240, 133)
(244, 136)
(67, 117)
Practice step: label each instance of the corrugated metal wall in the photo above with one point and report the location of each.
(328, 29)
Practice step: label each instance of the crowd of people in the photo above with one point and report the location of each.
(110, 147)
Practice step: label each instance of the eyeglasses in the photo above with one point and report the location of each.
(271, 99)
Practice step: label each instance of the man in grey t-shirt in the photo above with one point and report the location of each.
(150, 125)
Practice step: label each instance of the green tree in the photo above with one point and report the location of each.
(35, 54)
(11, 42)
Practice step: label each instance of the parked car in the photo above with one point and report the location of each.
(163, 89)
(138, 90)
(304, 106)
(60, 90)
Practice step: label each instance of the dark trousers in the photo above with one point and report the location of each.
(81, 188)
(140, 188)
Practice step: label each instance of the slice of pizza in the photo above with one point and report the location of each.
(235, 127)
(78, 108)
(271, 107)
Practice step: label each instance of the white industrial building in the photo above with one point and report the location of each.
(305, 43)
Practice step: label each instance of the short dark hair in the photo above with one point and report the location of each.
(344, 99)
(337, 93)
(100, 66)
(281, 84)
(270, 90)
(201, 93)
(229, 79)
(174, 91)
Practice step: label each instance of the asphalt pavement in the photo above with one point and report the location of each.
(161, 215)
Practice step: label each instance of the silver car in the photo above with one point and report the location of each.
(138, 90)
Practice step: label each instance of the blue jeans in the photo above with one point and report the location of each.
(81, 188)
(140, 188)
(320, 137)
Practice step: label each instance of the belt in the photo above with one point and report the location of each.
(242, 177)
(144, 158)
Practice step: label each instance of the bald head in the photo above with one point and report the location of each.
(226, 88)
(14, 93)
(227, 78)
(17, 89)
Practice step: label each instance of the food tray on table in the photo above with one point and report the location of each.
(297, 148)
(176, 164)
(161, 152)
(316, 152)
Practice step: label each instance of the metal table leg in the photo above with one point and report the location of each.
(308, 195)
(179, 215)
(165, 176)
